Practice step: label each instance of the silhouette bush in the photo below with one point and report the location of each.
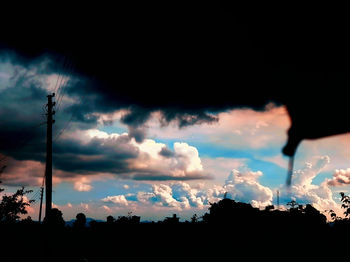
(55, 218)
(12, 206)
(80, 221)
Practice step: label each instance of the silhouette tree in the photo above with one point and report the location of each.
(80, 221)
(228, 211)
(293, 204)
(346, 203)
(269, 207)
(314, 216)
(28, 220)
(110, 220)
(12, 206)
(194, 218)
(55, 218)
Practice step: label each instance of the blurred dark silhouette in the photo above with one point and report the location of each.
(194, 218)
(172, 220)
(80, 221)
(128, 220)
(55, 219)
(110, 220)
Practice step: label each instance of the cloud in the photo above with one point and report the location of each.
(340, 177)
(82, 185)
(170, 59)
(244, 187)
(23, 173)
(238, 128)
(303, 189)
(176, 195)
(184, 196)
(119, 200)
(83, 154)
(172, 66)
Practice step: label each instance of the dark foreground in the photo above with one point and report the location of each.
(229, 231)
(163, 242)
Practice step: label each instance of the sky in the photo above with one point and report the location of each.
(104, 164)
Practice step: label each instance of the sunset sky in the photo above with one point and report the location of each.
(103, 165)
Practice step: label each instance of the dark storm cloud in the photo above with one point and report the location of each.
(183, 60)
(98, 155)
(193, 60)
(119, 156)
(21, 115)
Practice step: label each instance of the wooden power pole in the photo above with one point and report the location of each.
(48, 168)
(41, 202)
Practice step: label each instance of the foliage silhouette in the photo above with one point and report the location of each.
(55, 218)
(80, 221)
(110, 220)
(12, 206)
(346, 203)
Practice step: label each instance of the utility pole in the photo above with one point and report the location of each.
(278, 199)
(41, 202)
(48, 168)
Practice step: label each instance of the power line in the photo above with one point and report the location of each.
(63, 74)
(70, 70)
(59, 75)
(68, 122)
(63, 129)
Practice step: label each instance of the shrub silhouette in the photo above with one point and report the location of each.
(54, 218)
(12, 206)
(80, 221)
(110, 220)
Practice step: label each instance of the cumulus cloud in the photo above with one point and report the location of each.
(184, 196)
(119, 200)
(176, 195)
(245, 187)
(303, 189)
(341, 177)
(82, 185)
(125, 157)
(242, 185)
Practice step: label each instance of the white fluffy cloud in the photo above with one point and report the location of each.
(303, 189)
(245, 187)
(119, 200)
(183, 196)
(242, 185)
(341, 177)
